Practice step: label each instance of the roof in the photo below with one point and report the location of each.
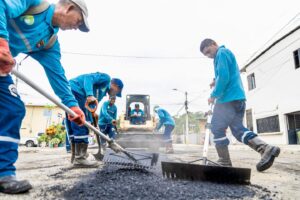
(243, 69)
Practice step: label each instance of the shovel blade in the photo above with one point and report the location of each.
(195, 172)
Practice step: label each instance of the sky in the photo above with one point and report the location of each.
(153, 46)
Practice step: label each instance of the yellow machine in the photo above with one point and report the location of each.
(139, 135)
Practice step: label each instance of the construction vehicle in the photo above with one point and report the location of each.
(140, 135)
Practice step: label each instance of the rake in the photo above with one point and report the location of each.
(208, 170)
(121, 156)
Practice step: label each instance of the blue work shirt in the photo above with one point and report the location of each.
(94, 84)
(138, 112)
(30, 34)
(164, 118)
(107, 113)
(228, 83)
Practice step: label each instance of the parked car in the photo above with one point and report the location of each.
(29, 141)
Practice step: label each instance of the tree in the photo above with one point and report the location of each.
(193, 122)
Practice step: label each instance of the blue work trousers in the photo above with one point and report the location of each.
(230, 114)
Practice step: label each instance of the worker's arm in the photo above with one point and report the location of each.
(104, 114)
(95, 79)
(161, 119)
(222, 78)
(115, 114)
(50, 60)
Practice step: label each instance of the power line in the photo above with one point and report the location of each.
(134, 57)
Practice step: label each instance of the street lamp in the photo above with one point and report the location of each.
(187, 114)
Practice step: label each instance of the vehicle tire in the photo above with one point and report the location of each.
(29, 143)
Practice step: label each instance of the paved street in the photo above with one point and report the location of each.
(53, 178)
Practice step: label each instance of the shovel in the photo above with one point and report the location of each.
(92, 107)
(120, 156)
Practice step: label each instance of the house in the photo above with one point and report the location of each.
(38, 118)
(273, 94)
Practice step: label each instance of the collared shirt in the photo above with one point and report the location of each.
(94, 84)
(30, 34)
(107, 113)
(228, 83)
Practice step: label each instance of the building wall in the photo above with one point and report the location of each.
(277, 86)
(37, 119)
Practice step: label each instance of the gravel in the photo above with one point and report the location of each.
(116, 183)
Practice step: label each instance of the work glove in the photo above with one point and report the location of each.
(6, 60)
(79, 119)
(114, 122)
(90, 99)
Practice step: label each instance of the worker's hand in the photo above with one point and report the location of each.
(91, 99)
(212, 84)
(211, 100)
(114, 122)
(79, 119)
(6, 60)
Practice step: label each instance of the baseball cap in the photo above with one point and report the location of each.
(84, 27)
(120, 85)
(156, 107)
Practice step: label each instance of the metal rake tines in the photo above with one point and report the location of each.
(140, 161)
(211, 173)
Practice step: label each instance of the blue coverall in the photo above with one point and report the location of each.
(94, 84)
(137, 119)
(230, 98)
(166, 119)
(108, 113)
(29, 35)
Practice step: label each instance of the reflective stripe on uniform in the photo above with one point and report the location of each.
(244, 135)
(9, 139)
(220, 139)
(26, 42)
(81, 137)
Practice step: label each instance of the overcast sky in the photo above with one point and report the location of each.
(153, 46)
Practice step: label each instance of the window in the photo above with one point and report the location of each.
(297, 58)
(249, 120)
(251, 81)
(268, 124)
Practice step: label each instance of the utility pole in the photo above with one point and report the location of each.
(186, 106)
(186, 118)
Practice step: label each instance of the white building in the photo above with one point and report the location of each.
(273, 94)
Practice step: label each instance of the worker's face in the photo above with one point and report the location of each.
(137, 107)
(72, 18)
(114, 90)
(210, 51)
(112, 101)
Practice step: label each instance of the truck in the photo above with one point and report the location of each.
(140, 135)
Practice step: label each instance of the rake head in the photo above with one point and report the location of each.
(194, 172)
(131, 159)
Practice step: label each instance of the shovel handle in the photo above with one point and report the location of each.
(58, 103)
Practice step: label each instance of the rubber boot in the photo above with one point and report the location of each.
(268, 153)
(81, 157)
(224, 157)
(10, 185)
(169, 148)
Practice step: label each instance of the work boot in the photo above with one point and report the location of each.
(268, 153)
(224, 157)
(10, 185)
(169, 148)
(81, 157)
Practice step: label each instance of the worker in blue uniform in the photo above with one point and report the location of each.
(31, 27)
(88, 88)
(108, 118)
(166, 120)
(137, 115)
(229, 98)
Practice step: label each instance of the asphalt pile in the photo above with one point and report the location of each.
(116, 183)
